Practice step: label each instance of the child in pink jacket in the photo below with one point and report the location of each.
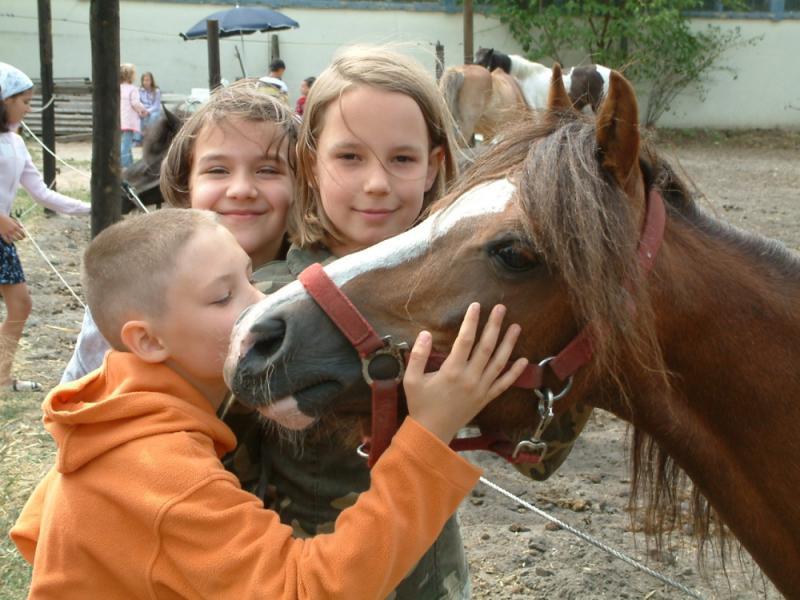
(130, 112)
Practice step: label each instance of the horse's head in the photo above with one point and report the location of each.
(493, 59)
(547, 223)
(483, 57)
(158, 137)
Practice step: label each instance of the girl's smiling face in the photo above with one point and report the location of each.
(373, 166)
(241, 172)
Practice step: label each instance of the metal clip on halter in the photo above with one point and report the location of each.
(384, 364)
(535, 445)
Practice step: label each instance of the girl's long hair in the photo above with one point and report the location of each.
(153, 84)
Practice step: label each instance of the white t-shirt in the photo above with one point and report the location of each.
(278, 83)
(17, 168)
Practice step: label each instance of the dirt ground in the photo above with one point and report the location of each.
(750, 179)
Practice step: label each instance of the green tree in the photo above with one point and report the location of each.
(650, 40)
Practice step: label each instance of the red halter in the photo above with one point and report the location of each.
(370, 346)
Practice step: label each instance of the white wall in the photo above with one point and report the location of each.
(149, 39)
(766, 89)
(763, 95)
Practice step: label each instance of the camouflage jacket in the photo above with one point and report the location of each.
(310, 486)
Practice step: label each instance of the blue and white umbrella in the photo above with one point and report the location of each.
(241, 20)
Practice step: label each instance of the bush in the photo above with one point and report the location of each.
(650, 41)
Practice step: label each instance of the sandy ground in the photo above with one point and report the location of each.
(751, 180)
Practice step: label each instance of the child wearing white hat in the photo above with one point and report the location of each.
(17, 168)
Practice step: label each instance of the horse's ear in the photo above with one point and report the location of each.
(618, 129)
(557, 98)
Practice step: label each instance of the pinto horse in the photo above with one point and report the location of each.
(687, 327)
(586, 86)
(481, 102)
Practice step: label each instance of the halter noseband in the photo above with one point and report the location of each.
(383, 359)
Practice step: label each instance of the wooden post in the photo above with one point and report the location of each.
(274, 47)
(212, 38)
(46, 75)
(468, 53)
(439, 60)
(106, 189)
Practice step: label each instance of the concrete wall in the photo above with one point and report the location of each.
(766, 89)
(149, 39)
(766, 92)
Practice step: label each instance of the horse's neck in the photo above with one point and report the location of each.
(734, 298)
(729, 328)
(533, 79)
(522, 68)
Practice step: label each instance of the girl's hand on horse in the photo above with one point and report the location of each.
(10, 230)
(448, 399)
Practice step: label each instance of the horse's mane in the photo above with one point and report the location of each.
(585, 228)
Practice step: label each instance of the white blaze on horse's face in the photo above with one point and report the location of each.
(487, 198)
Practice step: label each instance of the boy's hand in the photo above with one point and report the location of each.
(448, 399)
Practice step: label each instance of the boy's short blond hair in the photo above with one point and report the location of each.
(378, 67)
(127, 72)
(127, 268)
(241, 100)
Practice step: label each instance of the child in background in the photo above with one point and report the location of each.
(139, 505)
(305, 86)
(150, 97)
(235, 157)
(17, 168)
(131, 111)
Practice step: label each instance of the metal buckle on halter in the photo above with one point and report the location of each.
(390, 349)
(360, 450)
(535, 445)
(567, 386)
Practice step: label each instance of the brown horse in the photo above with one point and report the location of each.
(700, 354)
(481, 102)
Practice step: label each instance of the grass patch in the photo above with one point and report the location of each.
(26, 453)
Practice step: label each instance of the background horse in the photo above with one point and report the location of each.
(700, 355)
(585, 86)
(143, 175)
(481, 102)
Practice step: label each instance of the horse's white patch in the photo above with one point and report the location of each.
(605, 73)
(286, 413)
(488, 198)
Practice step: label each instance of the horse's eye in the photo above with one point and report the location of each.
(513, 257)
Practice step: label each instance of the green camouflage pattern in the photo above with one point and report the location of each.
(309, 486)
(560, 437)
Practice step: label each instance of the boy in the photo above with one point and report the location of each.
(138, 504)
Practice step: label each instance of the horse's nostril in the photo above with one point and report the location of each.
(267, 335)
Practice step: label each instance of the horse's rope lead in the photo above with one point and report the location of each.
(584, 536)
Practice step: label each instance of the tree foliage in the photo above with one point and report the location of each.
(650, 40)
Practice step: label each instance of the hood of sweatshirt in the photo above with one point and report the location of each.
(93, 415)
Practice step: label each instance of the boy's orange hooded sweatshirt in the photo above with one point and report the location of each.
(138, 504)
